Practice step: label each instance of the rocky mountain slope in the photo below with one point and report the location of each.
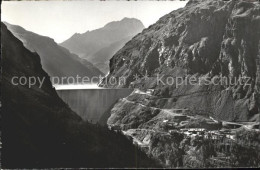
(203, 42)
(40, 131)
(56, 60)
(92, 45)
(101, 58)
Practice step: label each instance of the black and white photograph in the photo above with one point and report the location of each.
(130, 84)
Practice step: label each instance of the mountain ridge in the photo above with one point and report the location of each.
(87, 44)
(56, 60)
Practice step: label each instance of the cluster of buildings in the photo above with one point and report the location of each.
(208, 134)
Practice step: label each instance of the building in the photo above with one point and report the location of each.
(150, 91)
(197, 131)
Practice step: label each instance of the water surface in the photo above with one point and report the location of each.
(89, 101)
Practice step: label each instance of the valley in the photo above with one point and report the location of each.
(142, 123)
(40, 131)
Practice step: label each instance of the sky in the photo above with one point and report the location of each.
(61, 19)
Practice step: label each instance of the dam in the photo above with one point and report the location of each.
(91, 104)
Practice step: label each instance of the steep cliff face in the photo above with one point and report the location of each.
(207, 40)
(56, 60)
(40, 131)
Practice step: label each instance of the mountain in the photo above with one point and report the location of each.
(109, 39)
(56, 60)
(40, 131)
(189, 103)
(101, 58)
(212, 42)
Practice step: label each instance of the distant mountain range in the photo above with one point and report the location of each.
(99, 45)
(56, 60)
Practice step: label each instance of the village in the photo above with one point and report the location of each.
(214, 130)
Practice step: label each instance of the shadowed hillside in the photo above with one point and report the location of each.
(56, 60)
(40, 131)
